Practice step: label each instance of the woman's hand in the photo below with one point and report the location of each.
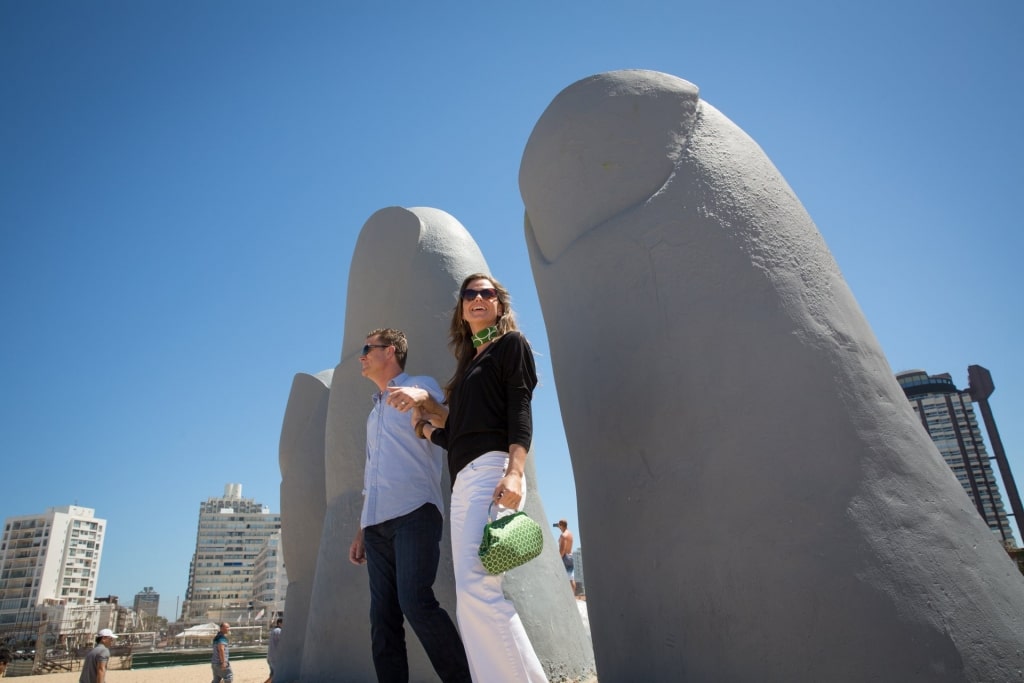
(420, 423)
(437, 418)
(509, 491)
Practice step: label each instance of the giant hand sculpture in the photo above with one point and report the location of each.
(302, 508)
(759, 501)
(405, 273)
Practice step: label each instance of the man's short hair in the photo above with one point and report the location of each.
(396, 338)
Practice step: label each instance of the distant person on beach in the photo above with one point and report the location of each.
(275, 640)
(94, 668)
(565, 550)
(399, 539)
(220, 664)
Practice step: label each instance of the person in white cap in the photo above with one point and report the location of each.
(94, 668)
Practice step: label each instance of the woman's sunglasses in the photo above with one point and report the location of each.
(487, 293)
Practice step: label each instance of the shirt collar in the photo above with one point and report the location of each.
(399, 380)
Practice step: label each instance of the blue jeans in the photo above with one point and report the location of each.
(401, 559)
(219, 674)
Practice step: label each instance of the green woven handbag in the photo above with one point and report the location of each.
(509, 541)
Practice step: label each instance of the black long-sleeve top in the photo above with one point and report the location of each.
(490, 409)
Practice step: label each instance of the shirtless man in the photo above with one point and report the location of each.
(565, 550)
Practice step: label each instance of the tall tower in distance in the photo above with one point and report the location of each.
(53, 556)
(147, 605)
(948, 416)
(231, 532)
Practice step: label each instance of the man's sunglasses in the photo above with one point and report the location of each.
(367, 347)
(487, 293)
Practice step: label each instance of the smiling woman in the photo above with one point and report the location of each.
(486, 425)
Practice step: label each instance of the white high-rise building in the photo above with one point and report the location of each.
(948, 416)
(53, 557)
(231, 532)
(270, 582)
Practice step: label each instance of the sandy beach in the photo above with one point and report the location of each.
(246, 671)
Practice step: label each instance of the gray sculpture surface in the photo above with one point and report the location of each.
(732, 417)
(302, 508)
(405, 273)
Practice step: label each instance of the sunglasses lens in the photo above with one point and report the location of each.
(486, 293)
(366, 350)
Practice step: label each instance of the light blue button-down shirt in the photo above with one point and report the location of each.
(402, 470)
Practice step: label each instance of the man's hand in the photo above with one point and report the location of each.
(405, 399)
(357, 551)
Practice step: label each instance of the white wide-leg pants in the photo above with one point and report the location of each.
(496, 643)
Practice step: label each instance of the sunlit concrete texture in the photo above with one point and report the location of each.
(405, 273)
(303, 500)
(759, 501)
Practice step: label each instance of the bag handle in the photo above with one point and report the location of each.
(490, 518)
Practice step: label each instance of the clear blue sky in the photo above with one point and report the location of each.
(182, 183)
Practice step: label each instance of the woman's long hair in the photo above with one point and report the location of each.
(459, 334)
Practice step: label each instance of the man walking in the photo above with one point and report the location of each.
(272, 645)
(565, 550)
(94, 668)
(401, 524)
(220, 663)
